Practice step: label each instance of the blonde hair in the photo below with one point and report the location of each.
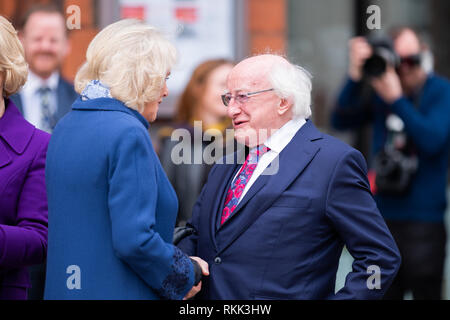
(12, 60)
(132, 59)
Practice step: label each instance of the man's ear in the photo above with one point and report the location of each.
(284, 106)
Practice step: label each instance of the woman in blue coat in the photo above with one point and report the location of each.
(111, 208)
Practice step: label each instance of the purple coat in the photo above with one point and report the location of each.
(23, 201)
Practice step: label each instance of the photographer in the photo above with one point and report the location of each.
(409, 109)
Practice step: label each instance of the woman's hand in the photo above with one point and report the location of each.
(205, 271)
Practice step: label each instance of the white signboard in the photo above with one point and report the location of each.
(200, 29)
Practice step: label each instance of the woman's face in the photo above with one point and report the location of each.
(215, 87)
(151, 108)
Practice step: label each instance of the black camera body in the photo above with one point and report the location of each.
(394, 172)
(383, 54)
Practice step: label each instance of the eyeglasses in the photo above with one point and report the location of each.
(240, 98)
(411, 61)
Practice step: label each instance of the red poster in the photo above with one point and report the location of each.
(136, 12)
(186, 14)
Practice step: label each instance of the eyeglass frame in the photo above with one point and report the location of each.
(411, 60)
(247, 95)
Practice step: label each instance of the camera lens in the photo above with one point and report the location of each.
(383, 55)
(375, 66)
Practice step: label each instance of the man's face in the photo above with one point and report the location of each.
(45, 42)
(254, 120)
(407, 45)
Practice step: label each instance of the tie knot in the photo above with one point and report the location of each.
(256, 153)
(43, 90)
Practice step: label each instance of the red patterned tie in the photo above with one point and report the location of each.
(237, 187)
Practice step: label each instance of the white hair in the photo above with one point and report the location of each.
(293, 82)
(132, 59)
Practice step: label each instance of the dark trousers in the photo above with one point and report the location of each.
(37, 277)
(422, 247)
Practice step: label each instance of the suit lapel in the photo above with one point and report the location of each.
(293, 159)
(217, 191)
(61, 100)
(17, 100)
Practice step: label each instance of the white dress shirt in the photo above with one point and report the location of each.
(31, 99)
(276, 142)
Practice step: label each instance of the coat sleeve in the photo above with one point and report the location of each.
(430, 132)
(25, 243)
(354, 214)
(132, 201)
(350, 111)
(189, 244)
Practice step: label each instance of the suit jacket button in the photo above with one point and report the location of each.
(217, 260)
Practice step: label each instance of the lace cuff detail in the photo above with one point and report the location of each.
(176, 281)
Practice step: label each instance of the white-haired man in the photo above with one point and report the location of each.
(274, 227)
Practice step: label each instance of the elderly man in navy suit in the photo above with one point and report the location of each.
(46, 97)
(274, 226)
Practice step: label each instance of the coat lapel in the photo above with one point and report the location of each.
(293, 159)
(14, 129)
(224, 175)
(5, 158)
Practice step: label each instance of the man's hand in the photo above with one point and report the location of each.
(205, 271)
(203, 265)
(359, 51)
(196, 289)
(388, 86)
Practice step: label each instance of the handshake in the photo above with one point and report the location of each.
(200, 266)
(200, 269)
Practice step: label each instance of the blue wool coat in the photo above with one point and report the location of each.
(111, 210)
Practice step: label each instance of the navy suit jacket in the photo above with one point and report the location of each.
(285, 238)
(66, 96)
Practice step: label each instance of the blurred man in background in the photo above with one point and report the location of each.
(46, 96)
(409, 109)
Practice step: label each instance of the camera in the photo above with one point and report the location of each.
(383, 54)
(394, 172)
(396, 164)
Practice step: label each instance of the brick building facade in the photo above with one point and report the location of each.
(263, 33)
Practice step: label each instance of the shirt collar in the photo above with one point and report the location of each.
(34, 82)
(280, 138)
